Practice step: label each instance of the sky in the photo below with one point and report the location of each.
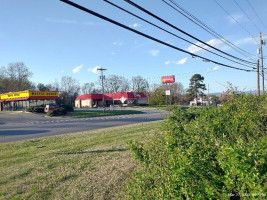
(54, 39)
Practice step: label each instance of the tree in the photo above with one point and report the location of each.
(139, 84)
(43, 87)
(116, 83)
(196, 86)
(70, 88)
(88, 88)
(15, 77)
(158, 95)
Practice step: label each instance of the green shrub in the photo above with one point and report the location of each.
(38, 109)
(207, 153)
(30, 109)
(35, 109)
(57, 112)
(68, 108)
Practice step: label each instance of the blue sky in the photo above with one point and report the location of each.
(54, 39)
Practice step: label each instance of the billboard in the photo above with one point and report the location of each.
(28, 94)
(167, 79)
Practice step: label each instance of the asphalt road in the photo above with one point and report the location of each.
(17, 126)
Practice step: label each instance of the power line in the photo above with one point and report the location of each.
(173, 33)
(247, 15)
(256, 14)
(147, 36)
(232, 17)
(180, 30)
(204, 26)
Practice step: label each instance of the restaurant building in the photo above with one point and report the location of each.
(24, 99)
(120, 99)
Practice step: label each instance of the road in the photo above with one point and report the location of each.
(17, 126)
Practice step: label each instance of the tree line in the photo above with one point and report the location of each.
(16, 77)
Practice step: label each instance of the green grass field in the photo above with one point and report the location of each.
(85, 165)
(96, 113)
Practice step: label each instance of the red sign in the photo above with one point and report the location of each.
(167, 79)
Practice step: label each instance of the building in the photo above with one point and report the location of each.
(25, 99)
(120, 98)
(202, 102)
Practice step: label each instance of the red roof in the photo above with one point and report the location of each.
(111, 96)
(89, 96)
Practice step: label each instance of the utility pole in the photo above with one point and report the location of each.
(258, 77)
(102, 77)
(261, 42)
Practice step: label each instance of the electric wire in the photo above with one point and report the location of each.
(232, 17)
(204, 26)
(147, 36)
(256, 14)
(246, 15)
(189, 35)
(107, 1)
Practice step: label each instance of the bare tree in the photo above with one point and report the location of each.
(43, 87)
(139, 84)
(116, 83)
(70, 88)
(15, 77)
(88, 88)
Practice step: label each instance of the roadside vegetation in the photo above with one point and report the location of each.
(206, 153)
(85, 165)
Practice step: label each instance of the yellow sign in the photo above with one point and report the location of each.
(43, 93)
(13, 95)
(27, 94)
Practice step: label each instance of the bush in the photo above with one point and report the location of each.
(57, 112)
(35, 109)
(208, 153)
(30, 109)
(68, 108)
(38, 109)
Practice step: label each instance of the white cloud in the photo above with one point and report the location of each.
(248, 40)
(181, 62)
(62, 71)
(135, 25)
(94, 70)
(117, 43)
(88, 23)
(69, 21)
(178, 62)
(213, 69)
(154, 52)
(234, 18)
(77, 69)
(61, 21)
(167, 62)
(213, 42)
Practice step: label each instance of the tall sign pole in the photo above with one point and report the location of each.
(102, 77)
(165, 80)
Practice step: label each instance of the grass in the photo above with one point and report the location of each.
(96, 113)
(86, 165)
(160, 107)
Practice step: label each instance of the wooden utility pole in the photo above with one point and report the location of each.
(102, 77)
(258, 77)
(261, 42)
